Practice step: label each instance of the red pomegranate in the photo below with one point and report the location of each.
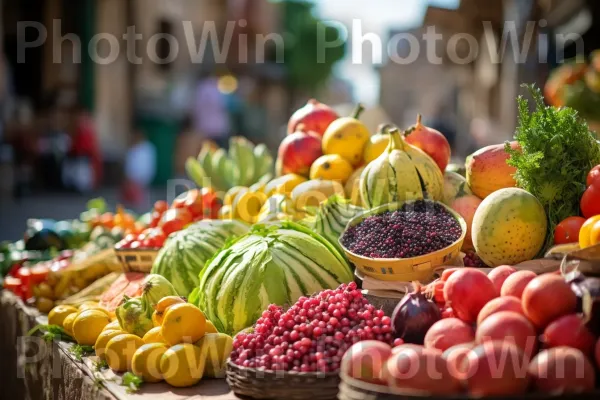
(298, 151)
(313, 117)
(431, 141)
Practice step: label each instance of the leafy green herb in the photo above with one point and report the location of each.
(51, 333)
(100, 365)
(79, 351)
(132, 382)
(557, 151)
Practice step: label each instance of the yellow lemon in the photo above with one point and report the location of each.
(216, 348)
(102, 310)
(59, 313)
(146, 361)
(119, 351)
(231, 194)
(210, 328)
(103, 339)
(284, 184)
(347, 137)
(247, 205)
(377, 144)
(183, 323)
(182, 365)
(68, 323)
(114, 325)
(153, 336)
(331, 167)
(161, 308)
(88, 325)
(87, 305)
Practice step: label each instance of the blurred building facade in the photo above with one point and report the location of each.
(476, 92)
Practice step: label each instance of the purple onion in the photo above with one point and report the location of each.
(413, 317)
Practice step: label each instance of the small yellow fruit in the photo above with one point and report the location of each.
(258, 187)
(103, 339)
(377, 144)
(182, 365)
(216, 348)
(114, 325)
(59, 313)
(332, 167)
(210, 328)
(146, 361)
(120, 350)
(231, 195)
(284, 184)
(153, 336)
(88, 325)
(247, 205)
(44, 304)
(352, 188)
(68, 323)
(44, 290)
(167, 302)
(225, 213)
(86, 305)
(98, 308)
(347, 137)
(183, 323)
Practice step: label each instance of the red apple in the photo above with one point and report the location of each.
(431, 141)
(365, 361)
(313, 117)
(298, 151)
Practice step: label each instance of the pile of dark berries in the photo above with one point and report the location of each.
(472, 260)
(413, 230)
(313, 334)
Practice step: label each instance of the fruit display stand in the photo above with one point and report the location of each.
(57, 374)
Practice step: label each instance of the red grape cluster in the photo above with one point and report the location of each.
(313, 334)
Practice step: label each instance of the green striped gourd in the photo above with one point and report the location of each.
(273, 264)
(331, 217)
(185, 252)
(402, 172)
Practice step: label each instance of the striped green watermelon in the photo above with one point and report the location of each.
(185, 252)
(331, 217)
(273, 264)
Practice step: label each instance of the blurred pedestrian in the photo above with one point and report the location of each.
(140, 169)
(210, 115)
(83, 167)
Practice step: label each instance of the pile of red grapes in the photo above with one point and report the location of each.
(313, 334)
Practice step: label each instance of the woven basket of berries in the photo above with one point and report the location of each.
(296, 353)
(404, 241)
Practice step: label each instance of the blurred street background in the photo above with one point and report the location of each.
(74, 126)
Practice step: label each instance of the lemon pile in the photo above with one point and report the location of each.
(182, 348)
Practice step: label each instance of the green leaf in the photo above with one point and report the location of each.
(132, 382)
(79, 351)
(51, 333)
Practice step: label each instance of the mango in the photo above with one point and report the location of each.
(509, 227)
(467, 206)
(455, 187)
(487, 170)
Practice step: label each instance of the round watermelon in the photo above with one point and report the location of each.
(185, 252)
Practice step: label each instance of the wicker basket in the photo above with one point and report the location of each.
(352, 389)
(249, 382)
(137, 260)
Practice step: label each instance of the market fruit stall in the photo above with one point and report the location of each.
(351, 266)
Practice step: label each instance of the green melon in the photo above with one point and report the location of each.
(185, 252)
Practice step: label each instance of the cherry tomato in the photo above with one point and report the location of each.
(135, 245)
(148, 244)
(175, 220)
(590, 201)
(211, 203)
(593, 176)
(130, 238)
(585, 239)
(568, 230)
(161, 206)
(155, 219)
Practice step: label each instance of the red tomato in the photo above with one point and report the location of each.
(155, 219)
(135, 245)
(568, 230)
(175, 220)
(593, 176)
(190, 200)
(39, 273)
(161, 206)
(590, 201)
(211, 203)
